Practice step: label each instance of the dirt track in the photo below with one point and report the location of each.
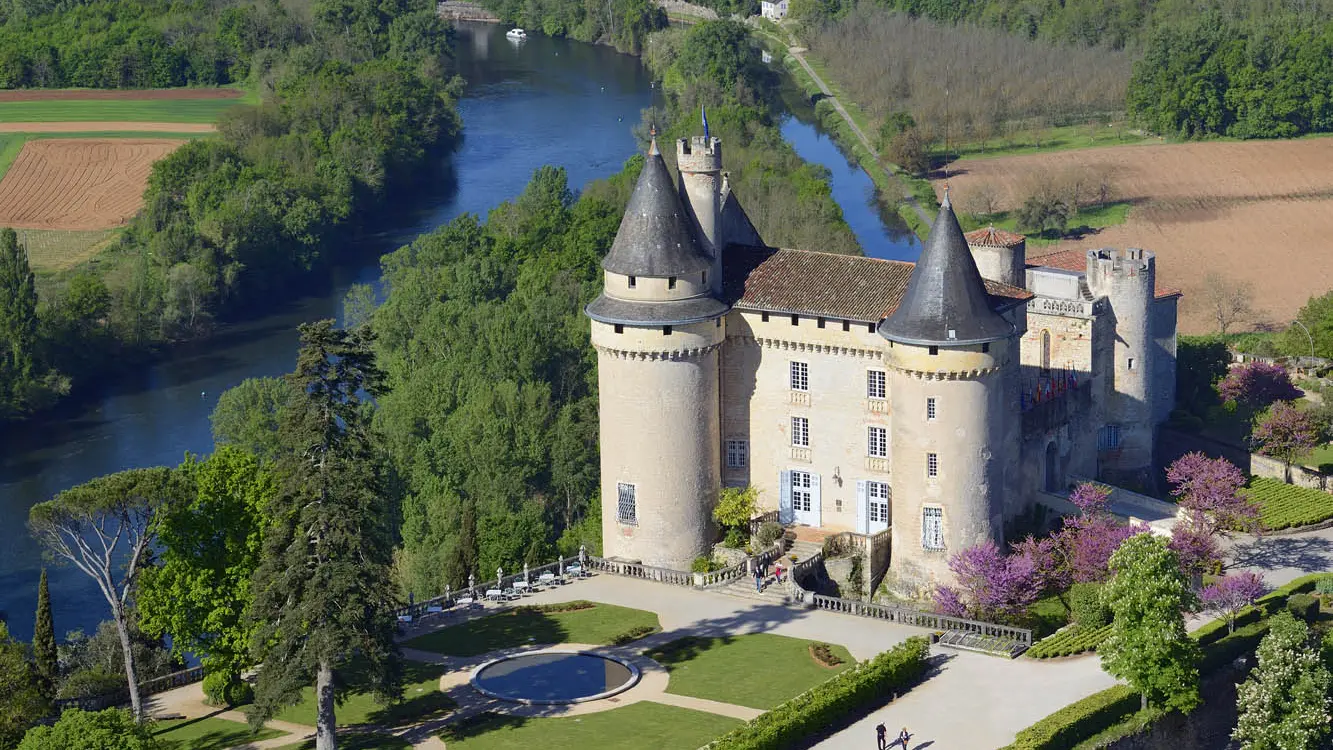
(1257, 210)
(42, 95)
(106, 127)
(78, 183)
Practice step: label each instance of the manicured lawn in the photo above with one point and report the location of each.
(1320, 457)
(206, 734)
(115, 110)
(422, 700)
(1048, 614)
(1051, 139)
(10, 146)
(598, 624)
(638, 726)
(357, 742)
(759, 670)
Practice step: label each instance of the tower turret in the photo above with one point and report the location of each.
(700, 162)
(1000, 256)
(1126, 279)
(657, 328)
(952, 360)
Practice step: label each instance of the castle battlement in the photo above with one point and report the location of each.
(699, 154)
(1121, 262)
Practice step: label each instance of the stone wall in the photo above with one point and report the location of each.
(1173, 444)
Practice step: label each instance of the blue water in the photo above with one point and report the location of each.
(553, 677)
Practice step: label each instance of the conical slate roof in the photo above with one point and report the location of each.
(945, 302)
(655, 237)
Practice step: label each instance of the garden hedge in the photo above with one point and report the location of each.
(1074, 639)
(1303, 606)
(791, 724)
(1085, 604)
(1098, 712)
(1285, 506)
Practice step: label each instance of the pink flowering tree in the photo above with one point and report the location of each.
(1092, 536)
(1049, 561)
(1230, 594)
(1285, 432)
(992, 587)
(1255, 385)
(1209, 491)
(1197, 549)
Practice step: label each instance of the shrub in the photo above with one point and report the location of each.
(768, 533)
(1303, 606)
(1076, 722)
(112, 729)
(1226, 650)
(633, 634)
(1074, 639)
(227, 689)
(1324, 585)
(703, 564)
(569, 606)
(823, 653)
(734, 539)
(90, 683)
(1085, 604)
(827, 704)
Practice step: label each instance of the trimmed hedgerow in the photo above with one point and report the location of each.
(633, 634)
(1072, 640)
(1303, 607)
(1285, 506)
(1079, 720)
(828, 703)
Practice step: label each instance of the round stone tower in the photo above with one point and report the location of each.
(657, 328)
(699, 160)
(1000, 256)
(1126, 278)
(950, 357)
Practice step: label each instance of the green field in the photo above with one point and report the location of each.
(599, 624)
(759, 670)
(1088, 219)
(422, 700)
(206, 734)
(638, 726)
(116, 110)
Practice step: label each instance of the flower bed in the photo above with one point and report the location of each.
(1069, 641)
(1284, 506)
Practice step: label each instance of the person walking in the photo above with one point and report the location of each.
(903, 737)
(882, 737)
(758, 578)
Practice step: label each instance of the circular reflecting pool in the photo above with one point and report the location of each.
(544, 677)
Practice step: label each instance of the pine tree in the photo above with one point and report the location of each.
(1148, 646)
(1285, 703)
(18, 324)
(44, 641)
(323, 590)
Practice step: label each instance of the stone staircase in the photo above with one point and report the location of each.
(773, 593)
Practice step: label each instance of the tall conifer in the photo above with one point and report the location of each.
(18, 323)
(44, 641)
(323, 590)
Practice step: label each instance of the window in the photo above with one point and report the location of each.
(819, 322)
(1045, 351)
(932, 465)
(625, 511)
(875, 387)
(877, 442)
(737, 451)
(800, 376)
(763, 317)
(870, 327)
(666, 330)
(878, 495)
(930, 409)
(800, 432)
(932, 528)
(934, 350)
(985, 348)
(632, 282)
(1131, 363)
(704, 278)
(846, 325)
(671, 282)
(1109, 437)
(800, 491)
(795, 320)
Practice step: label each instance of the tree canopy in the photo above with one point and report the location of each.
(112, 729)
(21, 698)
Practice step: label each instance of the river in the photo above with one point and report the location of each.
(548, 101)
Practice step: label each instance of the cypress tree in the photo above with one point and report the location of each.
(323, 590)
(44, 641)
(18, 323)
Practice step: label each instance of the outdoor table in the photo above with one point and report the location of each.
(522, 586)
(494, 594)
(575, 570)
(465, 600)
(511, 594)
(549, 578)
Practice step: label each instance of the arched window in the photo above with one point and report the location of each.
(1045, 352)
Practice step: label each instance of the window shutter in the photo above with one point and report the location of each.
(785, 513)
(815, 500)
(862, 508)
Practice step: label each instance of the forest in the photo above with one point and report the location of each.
(356, 99)
(623, 24)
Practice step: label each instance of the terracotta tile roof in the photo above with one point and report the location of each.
(992, 237)
(827, 284)
(1077, 260)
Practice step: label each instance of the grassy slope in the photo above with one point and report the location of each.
(422, 699)
(595, 625)
(759, 670)
(146, 110)
(206, 734)
(638, 726)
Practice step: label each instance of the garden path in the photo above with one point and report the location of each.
(1280, 557)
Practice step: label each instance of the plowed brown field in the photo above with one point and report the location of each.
(78, 183)
(1257, 210)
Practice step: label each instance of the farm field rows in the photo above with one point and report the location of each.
(1284, 506)
(1260, 211)
(36, 95)
(78, 184)
(114, 110)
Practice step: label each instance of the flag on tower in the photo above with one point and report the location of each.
(704, 110)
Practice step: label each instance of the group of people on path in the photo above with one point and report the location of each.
(882, 736)
(760, 571)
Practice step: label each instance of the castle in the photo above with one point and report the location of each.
(935, 400)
